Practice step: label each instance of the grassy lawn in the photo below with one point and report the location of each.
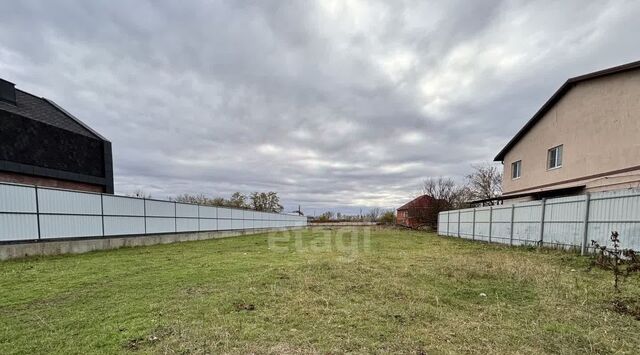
(393, 291)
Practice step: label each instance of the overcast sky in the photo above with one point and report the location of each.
(336, 105)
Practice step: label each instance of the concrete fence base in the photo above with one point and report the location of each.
(84, 245)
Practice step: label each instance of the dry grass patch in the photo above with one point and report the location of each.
(318, 292)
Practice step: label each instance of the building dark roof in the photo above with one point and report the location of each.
(46, 111)
(568, 85)
(418, 202)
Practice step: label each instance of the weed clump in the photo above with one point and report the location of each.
(622, 263)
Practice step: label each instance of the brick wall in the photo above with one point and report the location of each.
(48, 182)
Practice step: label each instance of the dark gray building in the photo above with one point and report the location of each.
(42, 144)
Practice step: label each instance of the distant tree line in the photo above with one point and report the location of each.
(373, 215)
(259, 201)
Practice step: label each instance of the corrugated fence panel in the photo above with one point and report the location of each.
(14, 198)
(208, 224)
(236, 214)
(18, 227)
(122, 225)
(224, 213)
(123, 215)
(443, 218)
(207, 212)
(161, 225)
(67, 226)
(564, 221)
(453, 223)
(66, 214)
(619, 211)
(482, 224)
(122, 206)
(501, 224)
(15, 225)
(466, 223)
(155, 208)
(187, 224)
(237, 224)
(208, 221)
(526, 223)
(186, 217)
(186, 210)
(67, 202)
(224, 224)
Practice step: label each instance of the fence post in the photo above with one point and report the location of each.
(37, 211)
(448, 218)
(144, 213)
(175, 216)
(585, 225)
(543, 205)
(490, 221)
(102, 212)
(513, 209)
(458, 223)
(473, 228)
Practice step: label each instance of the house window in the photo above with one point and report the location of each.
(516, 169)
(554, 157)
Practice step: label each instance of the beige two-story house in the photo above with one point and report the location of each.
(586, 137)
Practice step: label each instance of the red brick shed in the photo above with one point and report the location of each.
(418, 212)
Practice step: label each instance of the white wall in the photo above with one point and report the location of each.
(30, 213)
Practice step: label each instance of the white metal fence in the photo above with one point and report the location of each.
(32, 213)
(565, 222)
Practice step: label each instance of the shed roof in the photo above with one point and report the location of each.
(568, 85)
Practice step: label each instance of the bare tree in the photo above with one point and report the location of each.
(374, 214)
(326, 216)
(447, 195)
(447, 191)
(485, 182)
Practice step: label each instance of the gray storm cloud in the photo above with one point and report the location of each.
(335, 105)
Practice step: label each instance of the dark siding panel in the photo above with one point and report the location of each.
(26, 141)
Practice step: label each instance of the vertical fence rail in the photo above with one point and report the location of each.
(490, 221)
(144, 213)
(566, 222)
(511, 220)
(38, 212)
(585, 224)
(448, 218)
(473, 227)
(542, 208)
(102, 212)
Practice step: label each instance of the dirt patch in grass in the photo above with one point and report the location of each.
(630, 307)
(244, 307)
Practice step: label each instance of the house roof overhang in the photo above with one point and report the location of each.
(568, 85)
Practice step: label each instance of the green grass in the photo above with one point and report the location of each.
(400, 292)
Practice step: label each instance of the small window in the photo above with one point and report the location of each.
(554, 157)
(516, 169)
